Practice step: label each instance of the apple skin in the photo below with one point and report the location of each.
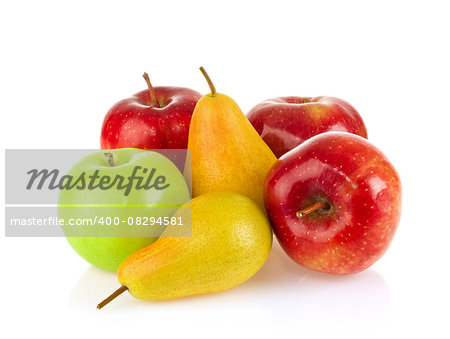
(362, 188)
(107, 252)
(135, 123)
(286, 122)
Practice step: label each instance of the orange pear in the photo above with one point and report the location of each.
(227, 152)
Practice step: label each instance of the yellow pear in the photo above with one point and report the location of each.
(231, 239)
(227, 152)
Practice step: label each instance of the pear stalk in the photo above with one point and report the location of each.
(209, 81)
(113, 296)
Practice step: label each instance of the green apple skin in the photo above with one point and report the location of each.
(107, 252)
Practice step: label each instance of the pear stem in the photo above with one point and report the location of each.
(208, 80)
(110, 159)
(153, 100)
(317, 206)
(113, 296)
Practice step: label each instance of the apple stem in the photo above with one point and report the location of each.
(317, 206)
(113, 296)
(208, 80)
(153, 99)
(110, 159)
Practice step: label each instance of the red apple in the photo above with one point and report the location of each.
(156, 118)
(284, 123)
(334, 203)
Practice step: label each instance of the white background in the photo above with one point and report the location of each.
(62, 67)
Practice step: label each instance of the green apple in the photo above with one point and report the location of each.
(114, 206)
